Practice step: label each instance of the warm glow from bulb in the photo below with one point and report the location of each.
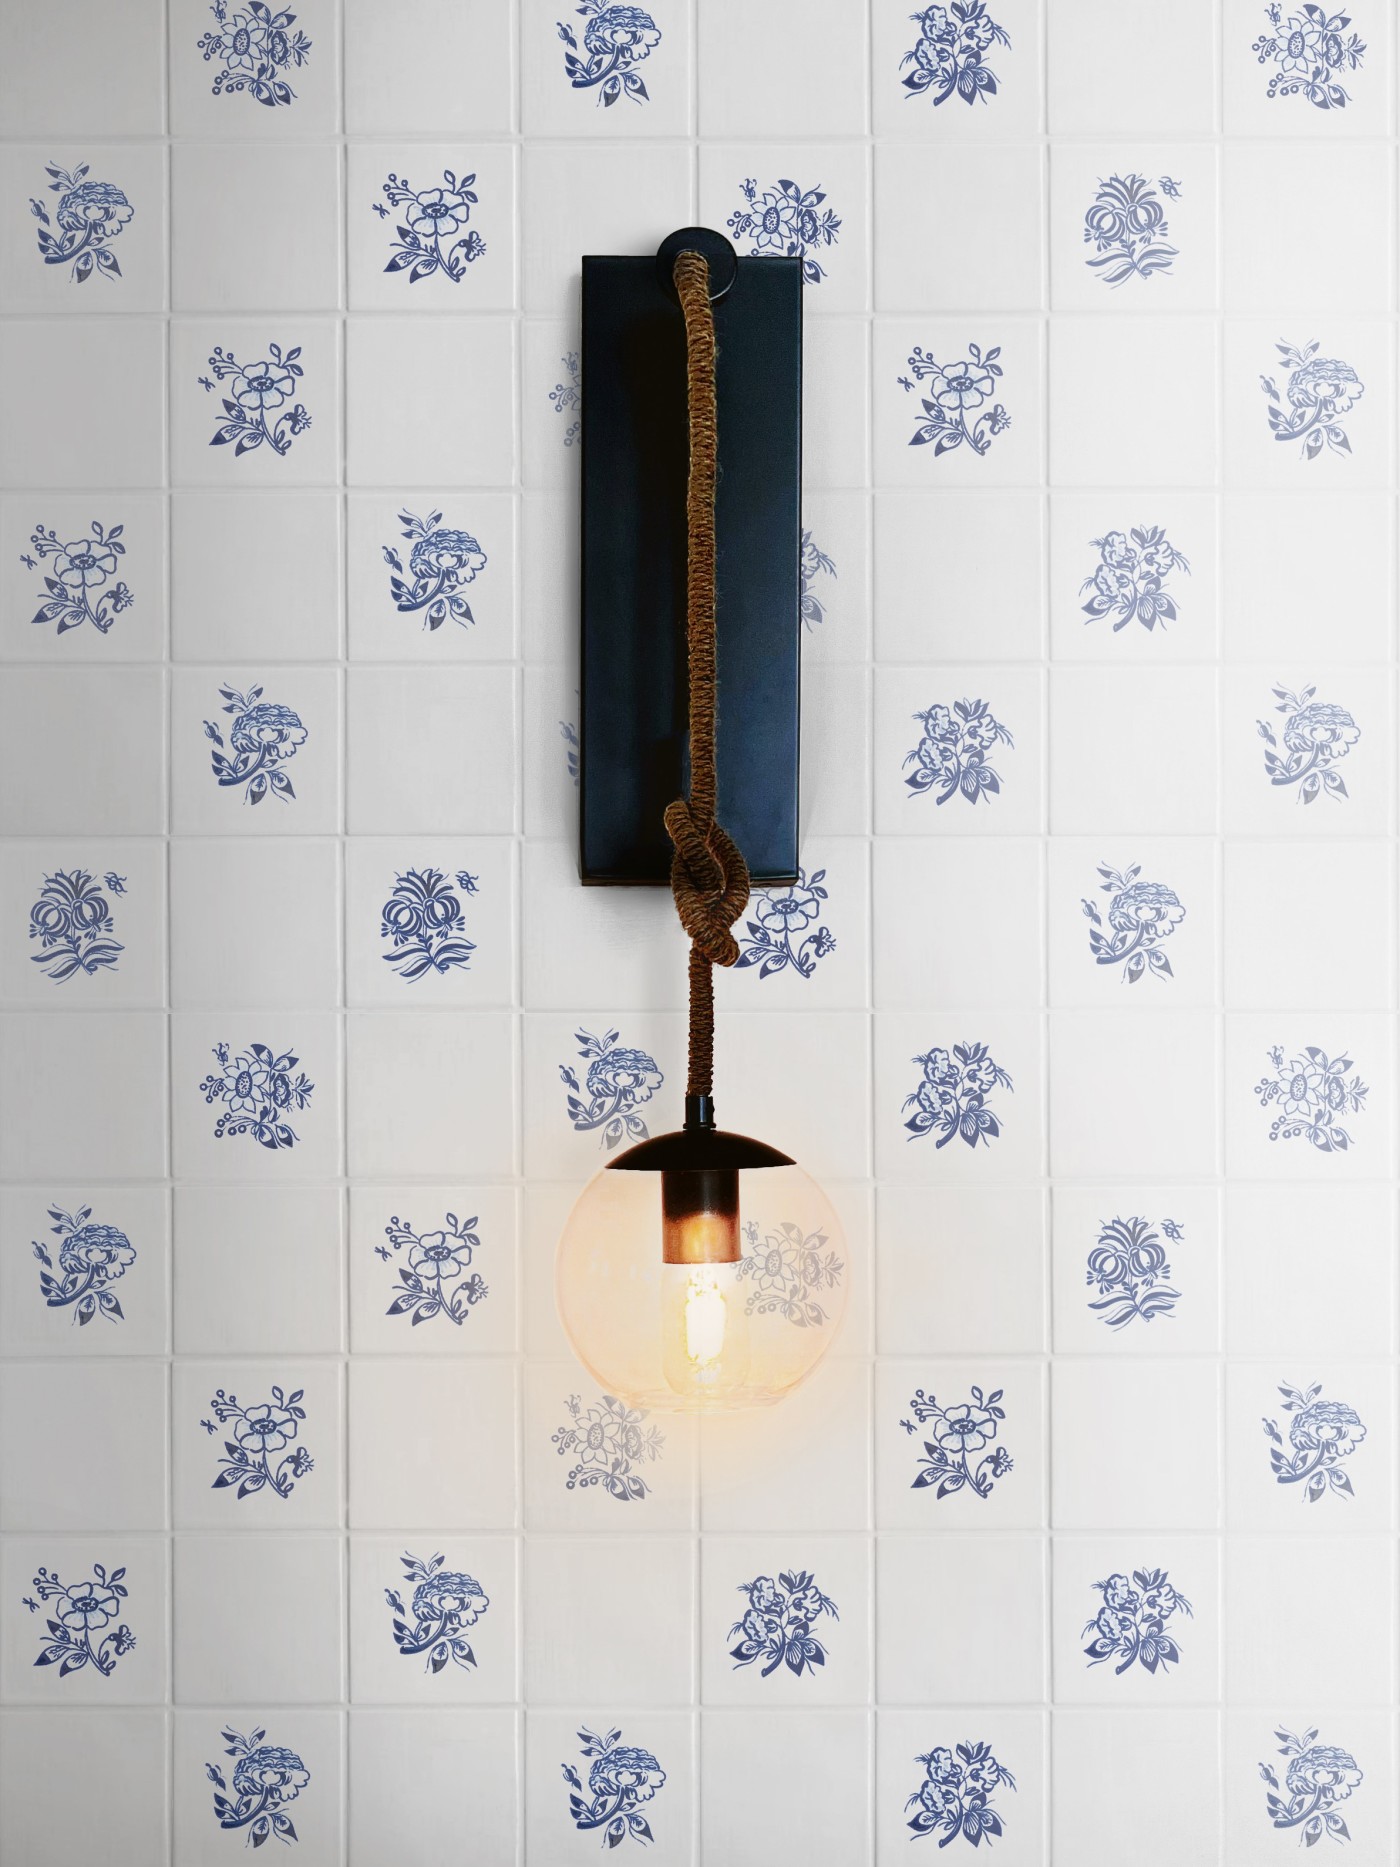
(704, 1317)
(704, 1331)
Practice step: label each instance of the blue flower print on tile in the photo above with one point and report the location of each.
(951, 1101)
(787, 1268)
(949, 58)
(257, 1456)
(609, 1443)
(616, 39)
(955, 393)
(441, 564)
(1315, 1779)
(256, 392)
(951, 756)
(424, 924)
(1129, 581)
(1140, 916)
(777, 1625)
(787, 221)
(568, 732)
(781, 934)
(433, 235)
(73, 924)
(443, 1604)
(263, 736)
(955, 1797)
(1315, 737)
(433, 1277)
(77, 1616)
(812, 563)
(1130, 1627)
(617, 1081)
(1321, 1433)
(253, 47)
(257, 1089)
(87, 218)
(255, 1792)
(1128, 1267)
(90, 1259)
(960, 1452)
(566, 397)
(1317, 391)
(76, 591)
(1313, 1092)
(620, 1778)
(1126, 225)
(1310, 47)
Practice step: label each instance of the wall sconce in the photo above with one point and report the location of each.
(688, 1272)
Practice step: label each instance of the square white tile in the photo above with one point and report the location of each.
(409, 1464)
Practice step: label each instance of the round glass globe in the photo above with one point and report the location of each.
(718, 1326)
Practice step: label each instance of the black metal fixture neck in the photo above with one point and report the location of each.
(700, 1114)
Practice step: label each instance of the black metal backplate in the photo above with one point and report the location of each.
(632, 691)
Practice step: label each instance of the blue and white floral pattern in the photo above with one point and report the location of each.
(87, 217)
(781, 934)
(424, 923)
(788, 221)
(949, 56)
(443, 1604)
(951, 1101)
(620, 1778)
(90, 1259)
(1130, 578)
(1141, 915)
(264, 735)
(616, 1083)
(79, 1613)
(1126, 225)
(1321, 1434)
(1310, 46)
(253, 47)
(812, 563)
(264, 1779)
(434, 1277)
(616, 39)
(777, 1626)
(256, 391)
(960, 1452)
(1313, 1092)
(431, 236)
(955, 393)
(787, 1267)
(1316, 736)
(1317, 392)
(566, 397)
(76, 591)
(261, 1432)
(1130, 1627)
(951, 757)
(568, 732)
(257, 1089)
(608, 1443)
(441, 564)
(956, 1794)
(1128, 1267)
(72, 921)
(1316, 1778)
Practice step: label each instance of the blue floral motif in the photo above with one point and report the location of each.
(423, 922)
(566, 397)
(617, 1081)
(257, 391)
(959, 1434)
(787, 1267)
(1130, 1627)
(87, 217)
(430, 237)
(953, 40)
(955, 392)
(621, 1777)
(1313, 1092)
(265, 1779)
(260, 1432)
(951, 757)
(75, 593)
(786, 221)
(263, 736)
(1129, 580)
(440, 566)
(1320, 1435)
(608, 1442)
(568, 732)
(72, 921)
(1310, 46)
(90, 1258)
(952, 1098)
(1317, 735)
(254, 46)
(426, 1280)
(257, 1089)
(812, 564)
(444, 1602)
(783, 915)
(1318, 390)
(1317, 1778)
(1140, 916)
(80, 1612)
(1128, 1267)
(616, 39)
(1126, 225)
(777, 1626)
(956, 1794)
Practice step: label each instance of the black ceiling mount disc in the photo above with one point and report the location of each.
(713, 247)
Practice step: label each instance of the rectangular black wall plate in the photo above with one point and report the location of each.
(635, 459)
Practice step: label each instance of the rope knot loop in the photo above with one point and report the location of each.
(710, 882)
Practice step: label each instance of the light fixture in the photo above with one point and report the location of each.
(701, 1270)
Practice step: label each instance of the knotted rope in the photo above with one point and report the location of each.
(709, 878)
